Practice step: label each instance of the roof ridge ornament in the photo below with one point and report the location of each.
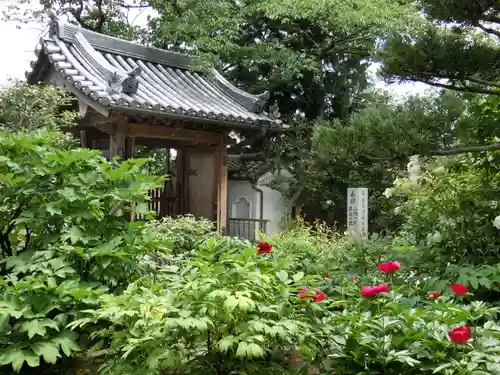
(53, 23)
(118, 80)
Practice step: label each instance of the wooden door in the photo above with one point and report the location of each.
(202, 192)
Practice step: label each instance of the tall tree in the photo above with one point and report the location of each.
(310, 55)
(458, 49)
(112, 17)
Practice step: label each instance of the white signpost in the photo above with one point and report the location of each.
(357, 211)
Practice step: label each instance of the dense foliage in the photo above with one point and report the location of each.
(64, 240)
(83, 288)
(457, 49)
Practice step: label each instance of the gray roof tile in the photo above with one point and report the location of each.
(123, 75)
(240, 167)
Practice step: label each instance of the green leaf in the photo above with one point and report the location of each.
(52, 209)
(442, 367)
(11, 355)
(254, 350)
(4, 322)
(17, 357)
(282, 275)
(490, 342)
(242, 349)
(299, 276)
(47, 350)
(74, 234)
(485, 282)
(225, 343)
(69, 193)
(67, 341)
(494, 368)
(31, 358)
(339, 339)
(37, 327)
(230, 303)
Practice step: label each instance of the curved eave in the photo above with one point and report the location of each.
(112, 45)
(162, 90)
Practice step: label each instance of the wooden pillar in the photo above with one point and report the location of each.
(182, 180)
(83, 139)
(117, 143)
(129, 147)
(221, 181)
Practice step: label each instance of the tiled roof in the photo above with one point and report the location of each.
(239, 167)
(122, 75)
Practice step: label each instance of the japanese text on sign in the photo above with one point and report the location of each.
(357, 210)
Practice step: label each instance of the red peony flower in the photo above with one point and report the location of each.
(459, 289)
(353, 278)
(329, 276)
(434, 294)
(373, 290)
(319, 296)
(264, 248)
(302, 293)
(389, 267)
(460, 334)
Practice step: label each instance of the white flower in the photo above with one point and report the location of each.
(398, 210)
(437, 238)
(447, 221)
(439, 170)
(434, 238)
(414, 170)
(388, 193)
(496, 222)
(493, 204)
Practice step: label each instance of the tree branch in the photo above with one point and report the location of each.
(442, 152)
(489, 30)
(27, 239)
(466, 149)
(476, 90)
(4, 236)
(101, 18)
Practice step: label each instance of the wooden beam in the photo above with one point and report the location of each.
(163, 132)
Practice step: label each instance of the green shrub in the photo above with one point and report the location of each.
(450, 210)
(64, 242)
(223, 312)
(227, 310)
(184, 233)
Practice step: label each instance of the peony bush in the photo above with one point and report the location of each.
(248, 311)
(82, 284)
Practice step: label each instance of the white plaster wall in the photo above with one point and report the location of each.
(237, 189)
(274, 207)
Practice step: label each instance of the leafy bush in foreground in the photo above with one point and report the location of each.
(77, 279)
(64, 241)
(245, 311)
(185, 232)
